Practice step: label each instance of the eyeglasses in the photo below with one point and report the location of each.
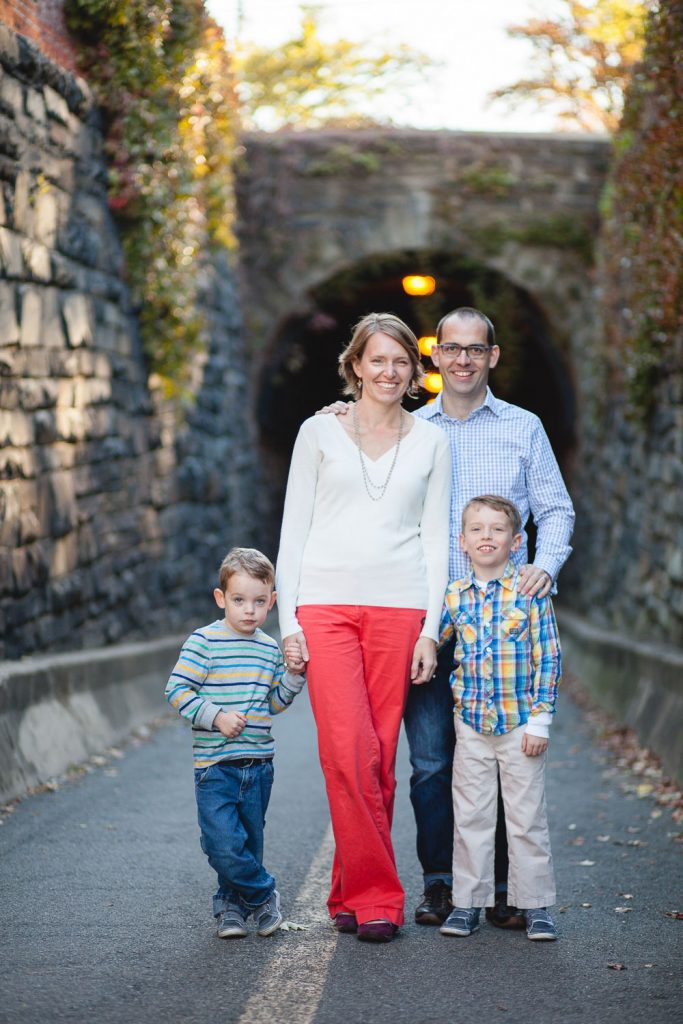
(473, 351)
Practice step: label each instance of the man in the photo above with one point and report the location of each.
(501, 449)
(496, 448)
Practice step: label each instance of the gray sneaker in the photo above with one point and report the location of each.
(461, 921)
(267, 917)
(540, 925)
(231, 924)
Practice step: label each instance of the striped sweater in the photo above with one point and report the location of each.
(221, 670)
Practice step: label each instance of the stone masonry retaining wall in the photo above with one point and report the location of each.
(112, 518)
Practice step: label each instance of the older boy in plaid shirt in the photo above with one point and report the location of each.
(507, 670)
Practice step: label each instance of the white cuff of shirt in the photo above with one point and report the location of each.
(539, 725)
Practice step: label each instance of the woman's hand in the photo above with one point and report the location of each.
(296, 652)
(424, 661)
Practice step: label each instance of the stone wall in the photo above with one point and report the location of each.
(113, 517)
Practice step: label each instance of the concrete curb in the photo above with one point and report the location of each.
(640, 683)
(59, 709)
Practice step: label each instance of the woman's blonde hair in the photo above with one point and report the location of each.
(376, 323)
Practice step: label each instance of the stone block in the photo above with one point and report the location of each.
(9, 324)
(35, 105)
(11, 95)
(53, 330)
(64, 555)
(11, 258)
(78, 319)
(16, 429)
(46, 217)
(57, 507)
(56, 106)
(37, 394)
(10, 515)
(31, 317)
(45, 427)
(17, 463)
(37, 260)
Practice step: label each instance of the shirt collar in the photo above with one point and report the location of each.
(508, 579)
(436, 408)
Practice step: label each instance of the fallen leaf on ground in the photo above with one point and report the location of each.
(623, 910)
(292, 926)
(571, 827)
(617, 967)
(586, 904)
(676, 914)
(586, 863)
(649, 965)
(603, 839)
(625, 895)
(578, 841)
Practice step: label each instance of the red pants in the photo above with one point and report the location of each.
(358, 679)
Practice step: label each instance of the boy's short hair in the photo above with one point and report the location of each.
(248, 561)
(498, 504)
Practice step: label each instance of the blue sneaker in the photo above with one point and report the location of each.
(231, 923)
(461, 921)
(267, 917)
(540, 925)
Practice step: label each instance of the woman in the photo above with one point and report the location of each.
(361, 575)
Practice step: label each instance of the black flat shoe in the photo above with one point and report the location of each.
(436, 904)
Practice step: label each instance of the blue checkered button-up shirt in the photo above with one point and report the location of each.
(503, 449)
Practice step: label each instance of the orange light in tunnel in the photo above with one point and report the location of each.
(426, 345)
(417, 284)
(433, 382)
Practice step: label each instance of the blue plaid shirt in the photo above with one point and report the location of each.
(507, 652)
(503, 449)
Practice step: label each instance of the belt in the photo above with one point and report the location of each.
(245, 762)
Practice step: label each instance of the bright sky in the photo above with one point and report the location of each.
(467, 37)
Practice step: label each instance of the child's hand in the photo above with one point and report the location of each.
(296, 665)
(532, 746)
(230, 723)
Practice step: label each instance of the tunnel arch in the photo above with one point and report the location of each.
(299, 368)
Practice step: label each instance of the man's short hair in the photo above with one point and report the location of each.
(248, 561)
(498, 504)
(467, 313)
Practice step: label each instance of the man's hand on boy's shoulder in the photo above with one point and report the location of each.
(534, 581)
(532, 746)
(230, 723)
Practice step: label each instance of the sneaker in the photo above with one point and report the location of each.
(461, 921)
(267, 917)
(502, 915)
(231, 924)
(540, 925)
(436, 904)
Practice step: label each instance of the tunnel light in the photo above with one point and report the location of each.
(433, 382)
(417, 284)
(426, 345)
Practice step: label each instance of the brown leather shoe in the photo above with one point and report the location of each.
(436, 904)
(502, 915)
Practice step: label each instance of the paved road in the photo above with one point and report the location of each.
(105, 913)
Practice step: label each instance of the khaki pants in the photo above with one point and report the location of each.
(477, 761)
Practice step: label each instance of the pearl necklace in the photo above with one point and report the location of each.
(381, 488)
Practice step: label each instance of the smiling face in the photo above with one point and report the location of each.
(247, 601)
(465, 378)
(384, 368)
(487, 537)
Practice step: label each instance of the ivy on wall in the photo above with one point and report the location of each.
(162, 79)
(642, 207)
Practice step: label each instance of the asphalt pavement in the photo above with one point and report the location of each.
(105, 914)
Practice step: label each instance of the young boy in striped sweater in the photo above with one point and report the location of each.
(229, 680)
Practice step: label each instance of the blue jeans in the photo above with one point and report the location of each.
(231, 809)
(428, 720)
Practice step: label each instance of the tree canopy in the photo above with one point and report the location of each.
(310, 83)
(582, 61)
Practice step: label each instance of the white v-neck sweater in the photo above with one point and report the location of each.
(339, 547)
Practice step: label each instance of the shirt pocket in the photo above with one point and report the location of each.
(467, 628)
(514, 624)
